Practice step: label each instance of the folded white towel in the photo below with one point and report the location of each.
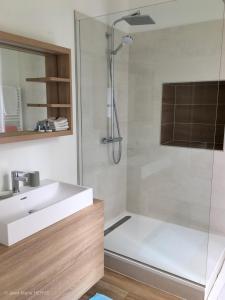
(55, 124)
(59, 128)
(58, 121)
(58, 125)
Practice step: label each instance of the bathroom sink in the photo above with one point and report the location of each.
(34, 209)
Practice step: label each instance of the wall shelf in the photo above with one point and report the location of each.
(51, 105)
(48, 79)
(12, 137)
(58, 82)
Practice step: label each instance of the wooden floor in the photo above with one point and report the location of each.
(119, 287)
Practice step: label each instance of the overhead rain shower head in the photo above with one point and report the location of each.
(127, 40)
(134, 19)
(138, 19)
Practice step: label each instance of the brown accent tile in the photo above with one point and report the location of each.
(219, 138)
(220, 114)
(204, 114)
(203, 133)
(167, 113)
(202, 145)
(166, 133)
(209, 146)
(182, 132)
(184, 94)
(168, 93)
(205, 94)
(196, 109)
(221, 96)
(184, 83)
(183, 114)
(203, 83)
(218, 147)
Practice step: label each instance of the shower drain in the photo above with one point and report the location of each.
(117, 224)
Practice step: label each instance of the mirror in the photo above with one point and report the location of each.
(35, 89)
(17, 94)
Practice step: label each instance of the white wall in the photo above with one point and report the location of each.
(50, 21)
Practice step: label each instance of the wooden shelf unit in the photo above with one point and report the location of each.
(12, 137)
(48, 79)
(53, 105)
(57, 79)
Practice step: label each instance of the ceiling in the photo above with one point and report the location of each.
(94, 8)
(170, 13)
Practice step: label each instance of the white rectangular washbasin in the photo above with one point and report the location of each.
(34, 209)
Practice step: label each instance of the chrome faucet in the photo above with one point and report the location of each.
(28, 178)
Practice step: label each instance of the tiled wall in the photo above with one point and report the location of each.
(164, 182)
(193, 115)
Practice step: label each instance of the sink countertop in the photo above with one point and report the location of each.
(36, 208)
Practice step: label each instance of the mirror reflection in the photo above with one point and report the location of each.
(17, 94)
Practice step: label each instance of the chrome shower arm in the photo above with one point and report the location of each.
(137, 13)
(117, 21)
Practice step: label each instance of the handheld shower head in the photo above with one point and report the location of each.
(126, 40)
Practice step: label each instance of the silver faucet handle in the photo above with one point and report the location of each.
(20, 175)
(28, 178)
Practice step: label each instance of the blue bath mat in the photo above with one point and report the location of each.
(100, 297)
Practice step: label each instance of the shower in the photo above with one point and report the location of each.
(114, 136)
(151, 141)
